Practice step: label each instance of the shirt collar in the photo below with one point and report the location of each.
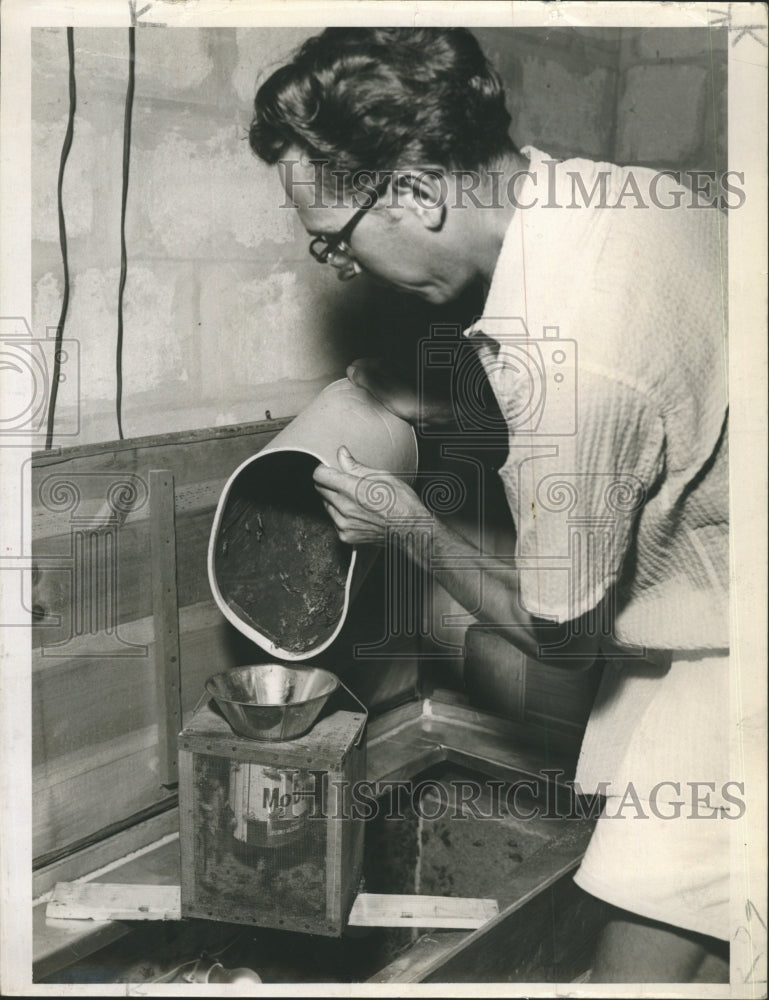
(497, 307)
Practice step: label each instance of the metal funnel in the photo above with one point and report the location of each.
(270, 701)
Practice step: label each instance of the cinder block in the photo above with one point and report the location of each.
(91, 320)
(260, 51)
(606, 38)
(46, 303)
(172, 61)
(160, 312)
(157, 319)
(677, 43)
(560, 110)
(46, 309)
(212, 199)
(260, 325)
(661, 114)
(50, 94)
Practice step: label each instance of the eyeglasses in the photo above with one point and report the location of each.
(337, 245)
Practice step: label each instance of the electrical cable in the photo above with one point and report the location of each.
(168, 976)
(205, 956)
(221, 951)
(123, 256)
(54, 392)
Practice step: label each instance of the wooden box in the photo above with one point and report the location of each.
(267, 831)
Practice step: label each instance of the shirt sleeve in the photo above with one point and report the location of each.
(576, 498)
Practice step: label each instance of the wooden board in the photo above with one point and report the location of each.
(165, 612)
(118, 779)
(393, 910)
(548, 937)
(59, 943)
(114, 901)
(118, 901)
(91, 857)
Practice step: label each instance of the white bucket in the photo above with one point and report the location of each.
(342, 414)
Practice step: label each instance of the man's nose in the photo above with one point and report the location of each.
(346, 270)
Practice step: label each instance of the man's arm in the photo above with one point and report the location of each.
(350, 497)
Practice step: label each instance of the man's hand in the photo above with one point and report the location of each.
(392, 387)
(360, 500)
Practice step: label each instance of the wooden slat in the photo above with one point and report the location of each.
(80, 704)
(179, 446)
(334, 858)
(552, 866)
(189, 498)
(188, 807)
(104, 852)
(61, 942)
(166, 621)
(383, 910)
(80, 736)
(114, 901)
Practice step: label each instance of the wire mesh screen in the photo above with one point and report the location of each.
(259, 848)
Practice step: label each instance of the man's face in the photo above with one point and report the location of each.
(393, 242)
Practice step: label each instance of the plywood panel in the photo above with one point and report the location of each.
(59, 589)
(72, 800)
(80, 703)
(94, 700)
(95, 494)
(88, 713)
(84, 700)
(214, 450)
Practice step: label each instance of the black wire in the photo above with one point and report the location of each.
(63, 243)
(123, 263)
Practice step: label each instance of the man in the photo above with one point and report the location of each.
(619, 464)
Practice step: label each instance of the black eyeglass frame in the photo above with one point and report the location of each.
(321, 247)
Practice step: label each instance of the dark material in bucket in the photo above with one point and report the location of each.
(277, 569)
(279, 563)
(270, 701)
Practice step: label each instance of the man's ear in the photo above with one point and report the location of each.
(424, 192)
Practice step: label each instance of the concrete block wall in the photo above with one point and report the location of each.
(226, 315)
(646, 96)
(673, 99)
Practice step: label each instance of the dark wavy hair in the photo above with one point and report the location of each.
(382, 98)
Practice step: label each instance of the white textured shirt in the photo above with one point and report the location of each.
(604, 339)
